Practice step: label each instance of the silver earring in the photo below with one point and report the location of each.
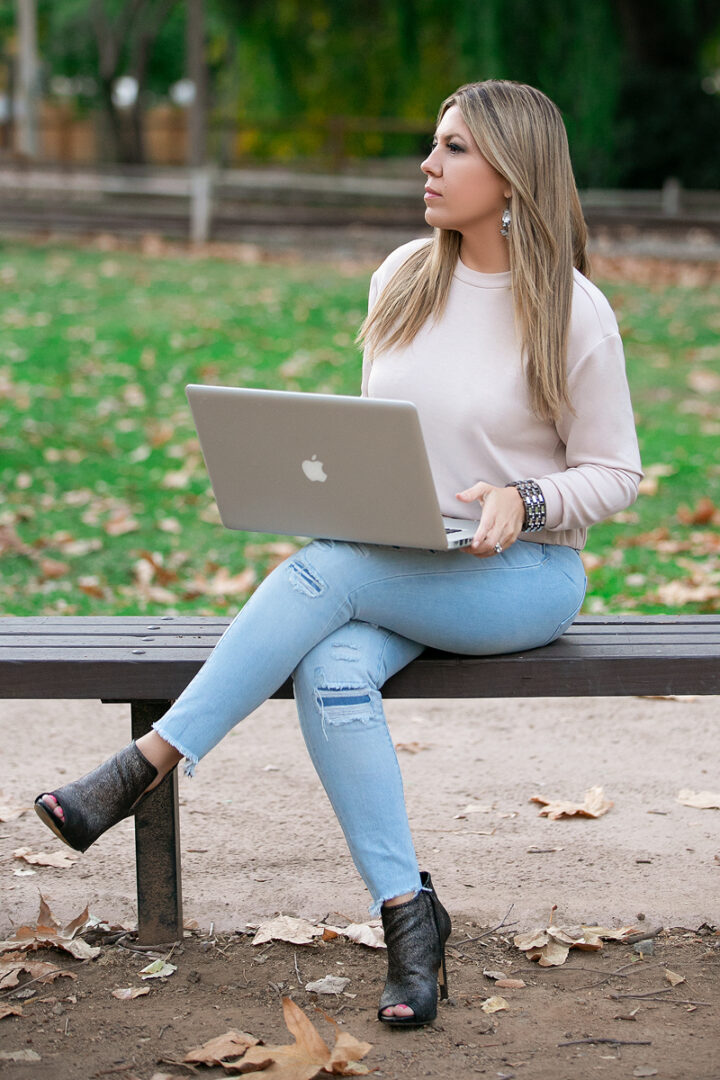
(505, 222)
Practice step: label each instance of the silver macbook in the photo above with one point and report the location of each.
(322, 466)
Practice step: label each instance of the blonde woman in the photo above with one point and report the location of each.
(514, 361)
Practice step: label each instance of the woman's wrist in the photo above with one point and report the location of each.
(534, 502)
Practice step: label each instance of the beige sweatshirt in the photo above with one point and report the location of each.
(464, 374)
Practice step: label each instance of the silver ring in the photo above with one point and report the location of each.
(499, 549)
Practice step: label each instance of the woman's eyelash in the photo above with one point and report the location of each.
(453, 147)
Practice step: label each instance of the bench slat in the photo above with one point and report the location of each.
(144, 659)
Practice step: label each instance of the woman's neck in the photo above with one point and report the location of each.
(486, 254)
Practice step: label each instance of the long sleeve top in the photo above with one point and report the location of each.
(464, 372)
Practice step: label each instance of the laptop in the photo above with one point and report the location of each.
(322, 466)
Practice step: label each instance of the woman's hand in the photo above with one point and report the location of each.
(501, 520)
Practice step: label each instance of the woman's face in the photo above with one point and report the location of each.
(463, 190)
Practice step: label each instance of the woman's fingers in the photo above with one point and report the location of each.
(501, 519)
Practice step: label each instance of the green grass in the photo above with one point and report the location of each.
(105, 502)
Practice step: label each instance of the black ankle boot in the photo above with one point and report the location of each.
(99, 800)
(415, 935)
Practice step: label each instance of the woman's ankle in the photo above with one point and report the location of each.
(395, 901)
(161, 754)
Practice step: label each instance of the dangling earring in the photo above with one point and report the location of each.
(505, 222)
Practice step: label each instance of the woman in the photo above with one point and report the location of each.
(515, 364)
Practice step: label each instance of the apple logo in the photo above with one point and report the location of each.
(313, 469)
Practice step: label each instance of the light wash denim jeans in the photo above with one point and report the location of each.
(342, 618)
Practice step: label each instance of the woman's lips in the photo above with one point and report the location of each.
(430, 194)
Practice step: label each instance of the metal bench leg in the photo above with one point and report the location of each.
(157, 847)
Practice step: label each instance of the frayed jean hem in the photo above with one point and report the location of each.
(376, 907)
(191, 760)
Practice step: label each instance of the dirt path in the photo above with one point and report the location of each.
(258, 838)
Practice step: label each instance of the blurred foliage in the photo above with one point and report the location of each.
(635, 79)
(105, 505)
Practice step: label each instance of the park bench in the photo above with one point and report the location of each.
(147, 661)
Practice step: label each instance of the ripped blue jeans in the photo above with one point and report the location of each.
(342, 618)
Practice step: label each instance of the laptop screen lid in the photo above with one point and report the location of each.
(320, 465)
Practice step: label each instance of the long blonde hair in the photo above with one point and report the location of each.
(520, 132)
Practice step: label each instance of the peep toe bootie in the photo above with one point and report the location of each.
(415, 935)
(99, 800)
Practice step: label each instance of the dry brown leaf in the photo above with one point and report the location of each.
(678, 593)
(288, 928)
(411, 747)
(510, 984)
(330, 984)
(551, 945)
(59, 859)
(10, 1010)
(222, 1049)
(50, 569)
(309, 1054)
(705, 512)
(472, 808)
(36, 969)
(129, 993)
(594, 806)
(703, 381)
(221, 584)
(10, 812)
(673, 978)
(551, 955)
(700, 800)
(121, 522)
(48, 934)
(370, 933)
(494, 1004)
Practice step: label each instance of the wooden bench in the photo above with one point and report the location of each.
(147, 662)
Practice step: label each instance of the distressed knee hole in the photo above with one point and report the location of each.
(305, 579)
(343, 651)
(347, 704)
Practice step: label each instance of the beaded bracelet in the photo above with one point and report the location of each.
(534, 501)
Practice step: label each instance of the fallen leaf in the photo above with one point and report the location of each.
(370, 934)
(678, 593)
(48, 934)
(222, 1049)
(58, 859)
(331, 984)
(494, 1004)
(287, 928)
(494, 974)
(411, 747)
(700, 800)
(159, 969)
(703, 381)
(19, 1055)
(673, 978)
(10, 1010)
(37, 969)
(644, 1070)
(129, 993)
(9, 812)
(472, 808)
(705, 512)
(552, 954)
(551, 945)
(510, 984)
(309, 1054)
(594, 806)
(221, 584)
